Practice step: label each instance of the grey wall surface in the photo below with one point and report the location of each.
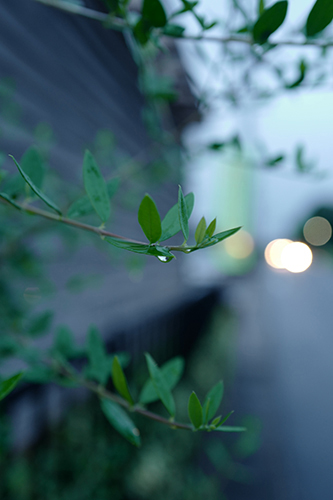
(79, 77)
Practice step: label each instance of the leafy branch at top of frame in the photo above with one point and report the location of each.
(97, 199)
(152, 21)
(119, 406)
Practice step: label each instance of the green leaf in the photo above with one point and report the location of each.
(119, 419)
(32, 164)
(141, 31)
(273, 162)
(301, 163)
(39, 375)
(95, 187)
(226, 428)
(217, 146)
(173, 30)
(200, 231)
(153, 12)
(160, 385)
(112, 5)
(6, 386)
(99, 367)
(183, 214)
(195, 410)
(213, 399)
(163, 253)
(224, 419)
(321, 15)
(269, 21)
(82, 206)
(211, 228)
(149, 219)
(170, 223)
(216, 421)
(41, 324)
(299, 80)
(216, 238)
(5, 196)
(261, 6)
(172, 372)
(35, 189)
(119, 380)
(188, 5)
(64, 343)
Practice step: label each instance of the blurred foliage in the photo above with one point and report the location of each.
(83, 458)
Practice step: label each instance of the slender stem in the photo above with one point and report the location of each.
(103, 393)
(86, 227)
(80, 225)
(121, 24)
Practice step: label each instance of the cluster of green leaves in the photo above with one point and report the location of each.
(159, 387)
(270, 19)
(55, 366)
(97, 199)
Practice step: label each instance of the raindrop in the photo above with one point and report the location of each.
(164, 259)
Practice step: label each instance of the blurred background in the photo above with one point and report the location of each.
(251, 139)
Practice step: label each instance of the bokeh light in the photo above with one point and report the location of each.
(317, 231)
(296, 257)
(240, 245)
(274, 251)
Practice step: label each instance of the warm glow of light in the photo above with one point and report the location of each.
(296, 257)
(274, 251)
(317, 231)
(240, 245)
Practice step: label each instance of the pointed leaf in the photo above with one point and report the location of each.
(213, 398)
(172, 372)
(149, 219)
(153, 12)
(216, 238)
(226, 428)
(216, 421)
(170, 223)
(261, 6)
(39, 375)
(119, 419)
(160, 385)
(142, 30)
(269, 21)
(163, 253)
(32, 164)
(183, 214)
(64, 343)
(95, 187)
(35, 189)
(200, 231)
(224, 419)
(119, 380)
(6, 386)
(195, 410)
(320, 16)
(82, 206)
(211, 228)
(173, 30)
